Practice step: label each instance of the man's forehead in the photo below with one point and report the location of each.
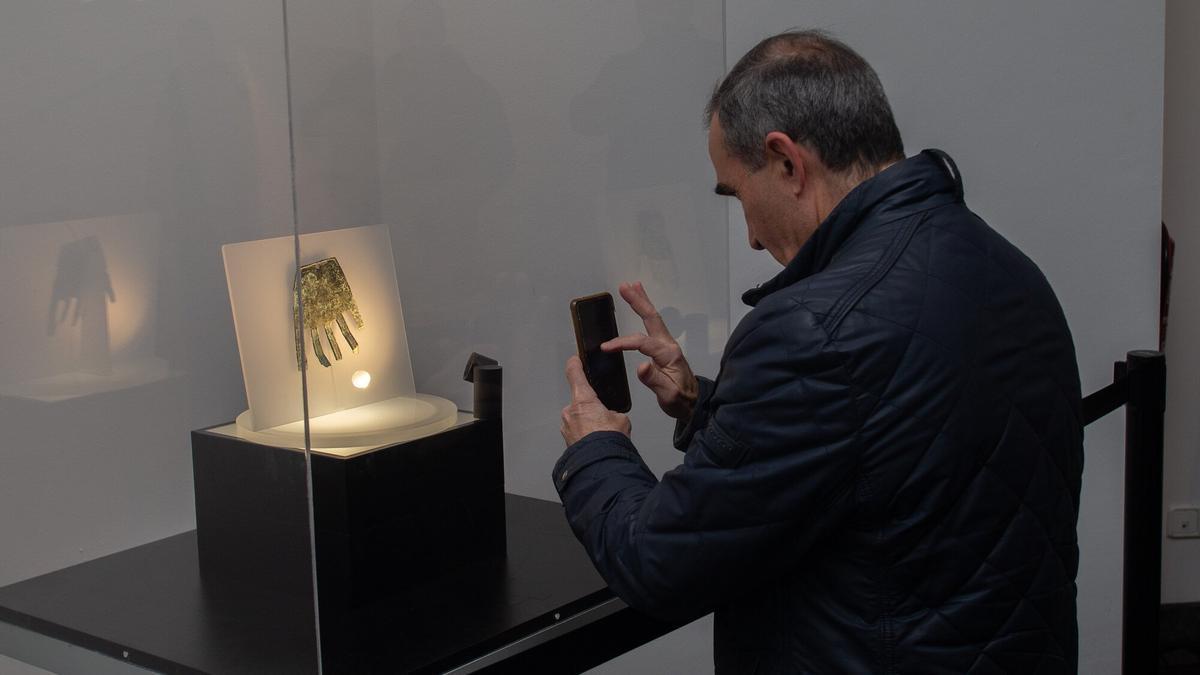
(714, 128)
(716, 141)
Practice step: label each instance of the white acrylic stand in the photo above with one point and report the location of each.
(341, 415)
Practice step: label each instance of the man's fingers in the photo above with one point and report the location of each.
(661, 351)
(635, 295)
(581, 390)
(625, 343)
(657, 381)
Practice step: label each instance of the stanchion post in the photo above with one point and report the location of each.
(1147, 376)
(489, 400)
(487, 376)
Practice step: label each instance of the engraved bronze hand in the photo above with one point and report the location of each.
(326, 296)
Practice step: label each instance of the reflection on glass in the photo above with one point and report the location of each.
(646, 103)
(82, 290)
(90, 287)
(521, 155)
(137, 137)
(446, 154)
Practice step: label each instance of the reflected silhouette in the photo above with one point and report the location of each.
(648, 102)
(659, 221)
(205, 182)
(449, 150)
(662, 224)
(656, 258)
(337, 150)
(130, 123)
(690, 331)
(90, 287)
(82, 290)
(450, 145)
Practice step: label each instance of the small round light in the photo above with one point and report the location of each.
(361, 379)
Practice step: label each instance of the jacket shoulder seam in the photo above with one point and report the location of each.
(878, 271)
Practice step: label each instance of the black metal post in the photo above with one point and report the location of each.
(1147, 377)
(487, 376)
(488, 392)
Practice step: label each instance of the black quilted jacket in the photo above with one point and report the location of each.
(884, 477)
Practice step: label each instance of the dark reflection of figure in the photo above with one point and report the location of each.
(82, 291)
(450, 146)
(204, 185)
(635, 100)
(690, 330)
(662, 216)
(337, 150)
(449, 150)
(74, 114)
(656, 258)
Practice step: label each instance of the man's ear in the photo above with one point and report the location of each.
(787, 158)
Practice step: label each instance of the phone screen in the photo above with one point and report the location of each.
(595, 324)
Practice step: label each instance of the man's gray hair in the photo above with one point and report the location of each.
(816, 90)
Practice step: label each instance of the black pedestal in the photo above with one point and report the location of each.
(383, 520)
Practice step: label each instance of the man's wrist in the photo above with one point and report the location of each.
(685, 427)
(688, 398)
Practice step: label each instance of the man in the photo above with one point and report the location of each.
(884, 476)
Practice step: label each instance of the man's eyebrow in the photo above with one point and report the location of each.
(724, 190)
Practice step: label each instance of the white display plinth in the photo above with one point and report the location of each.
(346, 433)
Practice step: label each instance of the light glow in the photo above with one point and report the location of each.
(361, 379)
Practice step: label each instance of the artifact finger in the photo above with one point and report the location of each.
(341, 322)
(333, 343)
(317, 350)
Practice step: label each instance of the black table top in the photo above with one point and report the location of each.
(151, 603)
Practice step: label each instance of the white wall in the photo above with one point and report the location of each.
(1181, 212)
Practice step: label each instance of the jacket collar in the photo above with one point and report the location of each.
(914, 184)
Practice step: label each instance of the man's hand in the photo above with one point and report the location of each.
(667, 373)
(586, 413)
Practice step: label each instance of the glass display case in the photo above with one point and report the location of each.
(518, 155)
(138, 139)
(250, 247)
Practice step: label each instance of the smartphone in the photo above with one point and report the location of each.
(595, 322)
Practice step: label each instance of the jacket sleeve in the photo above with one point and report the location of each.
(686, 429)
(767, 475)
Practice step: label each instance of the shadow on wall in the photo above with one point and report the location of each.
(660, 221)
(82, 290)
(84, 320)
(448, 151)
(156, 130)
(333, 95)
(204, 183)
